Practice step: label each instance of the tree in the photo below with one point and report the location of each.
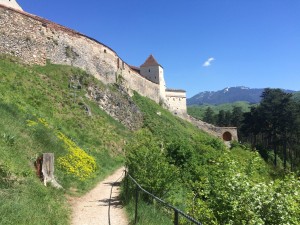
(236, 116)
(209, 116)
(275, 124)
(251, 125)
(147, 163)
(228, 118)
(221, 118)
(277, 115)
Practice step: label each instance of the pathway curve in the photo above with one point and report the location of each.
(92, 208)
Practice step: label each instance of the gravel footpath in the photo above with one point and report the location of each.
(92, 208)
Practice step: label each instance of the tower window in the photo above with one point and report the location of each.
(149, 70)
(104, 50)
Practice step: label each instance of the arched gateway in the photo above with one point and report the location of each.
(227, 136)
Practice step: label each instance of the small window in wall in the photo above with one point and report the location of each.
(149, 70)
(104, 50)
(155, 77)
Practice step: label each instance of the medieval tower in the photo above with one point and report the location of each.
(174, 99)
(154, 72)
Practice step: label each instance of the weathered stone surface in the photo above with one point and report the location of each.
(118, 105)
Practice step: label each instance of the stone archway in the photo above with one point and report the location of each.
(227, 136)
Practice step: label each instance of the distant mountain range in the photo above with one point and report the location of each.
(229, 95)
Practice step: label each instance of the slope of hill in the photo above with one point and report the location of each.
(196, 173)
(228, 95)
(59, 109)
(39, 113)
(55, 108)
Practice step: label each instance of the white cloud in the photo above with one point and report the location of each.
(208, 62)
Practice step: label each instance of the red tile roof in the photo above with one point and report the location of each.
(135, 68)
(150, 61)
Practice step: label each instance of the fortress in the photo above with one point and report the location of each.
(36, 41)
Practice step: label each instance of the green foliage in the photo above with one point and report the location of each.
(169, 156)
(237, 193)
(209, 116)
(35, 104)
(296, 96)
(179, 153)
(199, 110)
(274, 125)
(23, 197)
(146, 162)
(233, 186)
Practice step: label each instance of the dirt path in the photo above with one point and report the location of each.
(92, 208)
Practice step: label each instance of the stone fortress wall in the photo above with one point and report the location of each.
(226, 133)
(36, 40)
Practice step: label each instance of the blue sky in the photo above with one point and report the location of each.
(203, 45)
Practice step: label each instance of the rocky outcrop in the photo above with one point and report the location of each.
(118, 105)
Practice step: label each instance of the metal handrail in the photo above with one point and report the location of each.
(177, 212)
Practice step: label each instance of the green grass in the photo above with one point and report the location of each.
(148, 214)
(166, 126)
(24, 200)
(42, 92)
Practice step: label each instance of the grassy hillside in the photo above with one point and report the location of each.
(196, 173)
(170, 157)
(198, 111)
(38, 114)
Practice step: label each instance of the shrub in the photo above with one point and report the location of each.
(147, 163)
(77, 162)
